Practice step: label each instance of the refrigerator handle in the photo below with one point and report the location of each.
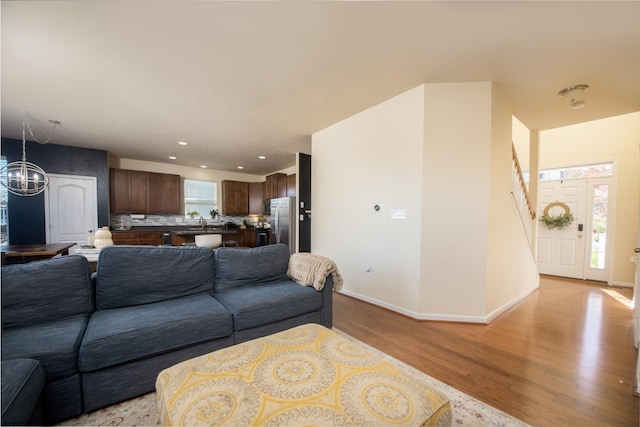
(276, 220)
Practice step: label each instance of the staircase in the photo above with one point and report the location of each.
(521, 195)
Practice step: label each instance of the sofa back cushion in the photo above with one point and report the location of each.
(44, 291)
(238, 268)
(134, 275)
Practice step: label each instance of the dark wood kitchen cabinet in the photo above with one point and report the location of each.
(247, 238)
(163, 193)
(256, 198)
(235, 198)
(124, 238)
(291, 185)
(128, 191)
(144, 192)
(276, 186)
(153, 238)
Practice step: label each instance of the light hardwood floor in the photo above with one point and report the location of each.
(555, 359)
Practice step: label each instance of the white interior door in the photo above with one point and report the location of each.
(72, 208)
(561, 252)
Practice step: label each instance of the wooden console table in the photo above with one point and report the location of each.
(19, 254)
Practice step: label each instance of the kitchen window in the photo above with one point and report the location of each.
(200, 197)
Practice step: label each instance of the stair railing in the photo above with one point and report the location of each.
(521, 194)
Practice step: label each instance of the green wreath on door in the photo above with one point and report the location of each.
(557, 221)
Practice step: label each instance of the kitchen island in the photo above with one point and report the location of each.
(181, 235)
(185, 237)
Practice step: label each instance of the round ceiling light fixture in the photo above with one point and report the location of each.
(575, 95)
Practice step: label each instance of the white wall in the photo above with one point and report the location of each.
(457, 161)
(521, 140)
(512, 273)
(374, 157)
(429, 151)
(616, 138)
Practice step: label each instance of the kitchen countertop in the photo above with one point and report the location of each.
(205, 231)
(187, 230)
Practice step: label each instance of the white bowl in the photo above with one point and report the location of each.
(210, 241)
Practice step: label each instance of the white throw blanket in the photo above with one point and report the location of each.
(312, 270)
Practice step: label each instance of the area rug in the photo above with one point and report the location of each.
(466, 411)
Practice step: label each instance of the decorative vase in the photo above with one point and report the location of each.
(103, 238)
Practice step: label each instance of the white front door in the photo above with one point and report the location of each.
(71, 208)
(581, 250)
(561, 252)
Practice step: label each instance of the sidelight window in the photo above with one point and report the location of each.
(599, 212)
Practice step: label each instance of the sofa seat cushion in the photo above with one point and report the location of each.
(126, 334)
(261, 305)
(54, 344)
(22, 385)
(241, 268)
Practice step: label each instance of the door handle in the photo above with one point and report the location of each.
(637, 250)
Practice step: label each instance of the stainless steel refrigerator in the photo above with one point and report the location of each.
(283, 221)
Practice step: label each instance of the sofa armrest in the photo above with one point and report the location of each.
(327, 302)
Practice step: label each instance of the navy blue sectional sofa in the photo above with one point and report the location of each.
(104, 339)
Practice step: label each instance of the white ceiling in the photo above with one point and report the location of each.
(242, 79)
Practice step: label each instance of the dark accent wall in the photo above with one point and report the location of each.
(26, 214)
(304, 195)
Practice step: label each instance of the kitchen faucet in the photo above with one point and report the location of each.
(203, 223)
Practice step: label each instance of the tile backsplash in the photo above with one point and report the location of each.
(124, 221)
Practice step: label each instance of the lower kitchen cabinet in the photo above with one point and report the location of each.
(153, 238)
(149, 237)
(246, 238)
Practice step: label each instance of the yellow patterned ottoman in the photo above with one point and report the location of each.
(307, 375)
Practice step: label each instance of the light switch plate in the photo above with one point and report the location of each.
(398, 214)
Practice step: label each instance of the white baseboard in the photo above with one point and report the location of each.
(443, 317)
(510, 304)
(622, 284)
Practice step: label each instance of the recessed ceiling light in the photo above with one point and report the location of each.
(172, 157)
(203, 166)
(240, 167)
(262, 157)
(183, 143)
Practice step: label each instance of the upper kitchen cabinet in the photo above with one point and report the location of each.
(128, 191)
(119, 190)
(235, 198)
(276, 186)
(291, 185)
(144, 192)
(256, 198)
(138, 191)
(163, 193)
